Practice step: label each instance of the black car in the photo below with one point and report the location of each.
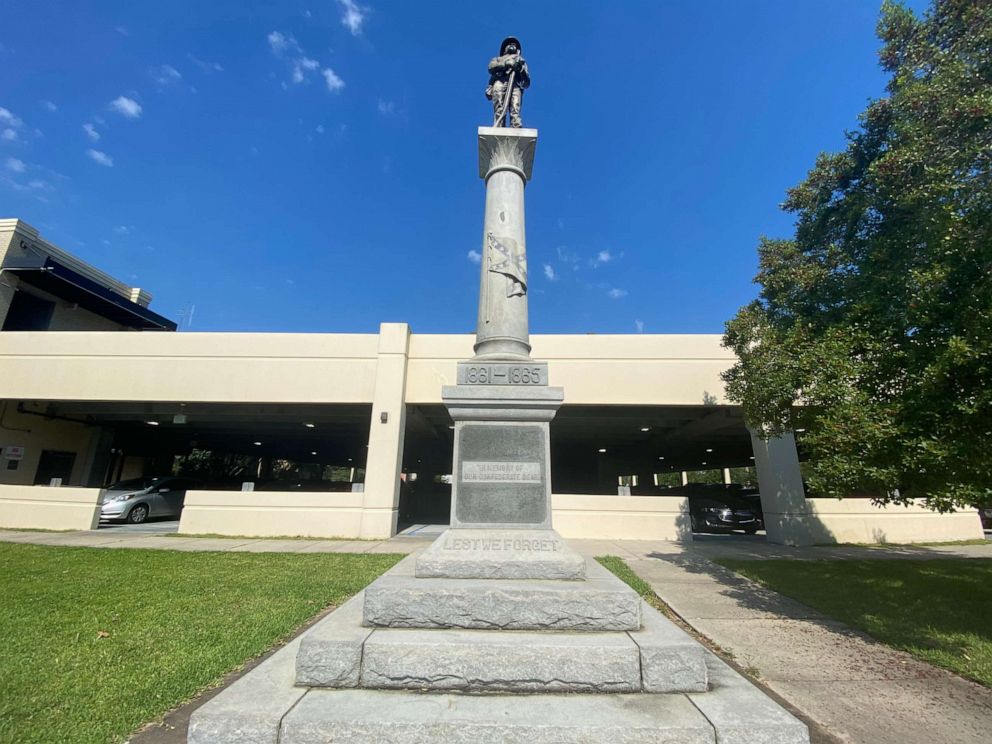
(718, 510)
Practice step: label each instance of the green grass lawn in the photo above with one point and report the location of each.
(938, 610)
(97, 642)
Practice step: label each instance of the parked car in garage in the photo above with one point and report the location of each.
(719, 508)
(138, 499)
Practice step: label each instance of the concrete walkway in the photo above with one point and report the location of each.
(853, 688)
(153, 541)
(849, 687)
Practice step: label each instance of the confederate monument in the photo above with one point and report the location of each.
(498, 604)
(501, 406)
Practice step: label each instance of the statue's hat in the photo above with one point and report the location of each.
(506, 41)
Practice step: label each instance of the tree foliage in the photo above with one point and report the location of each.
(873, 326)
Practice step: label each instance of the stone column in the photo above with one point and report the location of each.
(780, 482)
(506, 160)
(380, 505)
(502, 404)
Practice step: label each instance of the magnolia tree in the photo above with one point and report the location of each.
(873, 326)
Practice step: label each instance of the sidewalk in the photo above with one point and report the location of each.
(855, 688)
(851, 688)
(158, 541)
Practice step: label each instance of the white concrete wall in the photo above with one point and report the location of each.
(189, 367)
(621, 517)
(47, 508)
(602, 370)
(856, 520)
(272, 513)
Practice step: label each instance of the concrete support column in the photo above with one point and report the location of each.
(380, 506)
(727, 480)
(780, 482)
(684, 477)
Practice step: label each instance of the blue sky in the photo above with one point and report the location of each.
(311, 166)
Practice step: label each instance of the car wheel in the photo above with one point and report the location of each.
(750, 530)
(138, 514)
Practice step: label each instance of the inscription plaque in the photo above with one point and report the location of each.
(499, 481)
(507, 472)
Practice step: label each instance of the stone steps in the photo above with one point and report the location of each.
(486, 660)
(343, 681)
(343, 651)
(600, 603)
(265, 707)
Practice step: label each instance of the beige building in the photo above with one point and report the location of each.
(345, 434)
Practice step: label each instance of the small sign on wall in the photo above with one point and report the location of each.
(12, 452)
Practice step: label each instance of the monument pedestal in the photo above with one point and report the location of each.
(501, 480)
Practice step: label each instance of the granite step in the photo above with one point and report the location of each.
(374, 716)
(500, 554)
(487, 660)
(601, 602)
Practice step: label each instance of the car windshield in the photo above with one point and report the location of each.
(134, 484)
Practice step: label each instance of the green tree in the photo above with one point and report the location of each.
(873, 326)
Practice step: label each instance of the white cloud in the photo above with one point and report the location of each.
(300, 64)
(122, 229)
(386, 108)
(13, 164)
(279, 43)
(203, 64)
(101, 157)
(8, 134)
(334, 83)
(567, 257)
(352, 16)
(601, 258)
(320, 129)
(126, 107)
(474, 256)
(639, 325)
(303, 65)
(616, 293)
(7, 117)
(91, 132)
(122, 30)
(49, 106)
(549, 272)
(166, 74)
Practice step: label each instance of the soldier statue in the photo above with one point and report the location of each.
(508, 77)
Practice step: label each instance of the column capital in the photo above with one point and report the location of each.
(502, 148)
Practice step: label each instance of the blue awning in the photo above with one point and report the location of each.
(48, 275)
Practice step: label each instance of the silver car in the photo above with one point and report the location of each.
(138, 499)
